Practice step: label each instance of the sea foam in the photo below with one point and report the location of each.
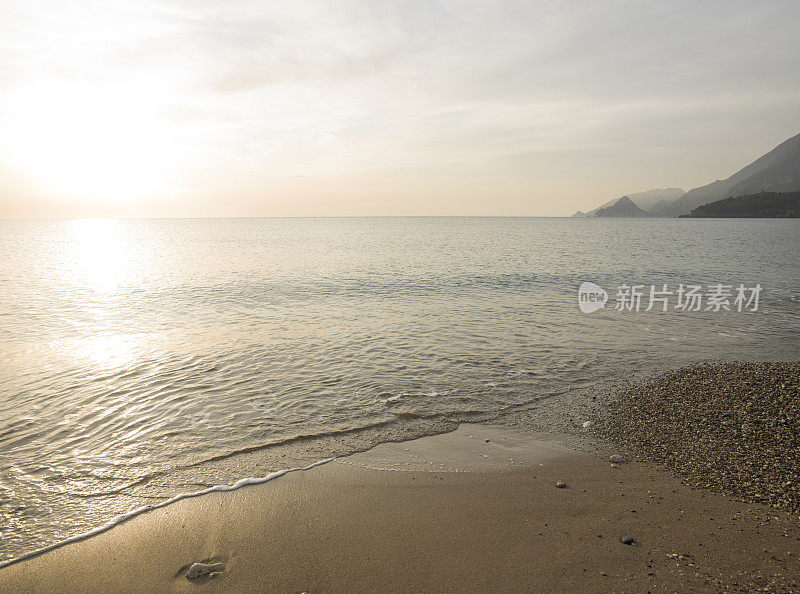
(140, 510)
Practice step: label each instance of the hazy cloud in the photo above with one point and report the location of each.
(532, 107)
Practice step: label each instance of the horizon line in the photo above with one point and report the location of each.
(183, 218)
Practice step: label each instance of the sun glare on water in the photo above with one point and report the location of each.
(101, 257)
(99, 253)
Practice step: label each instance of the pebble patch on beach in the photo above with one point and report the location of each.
(732, 428)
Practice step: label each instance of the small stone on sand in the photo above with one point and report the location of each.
(561, 485)
(588, 424)
(628, 540)
(616, 459)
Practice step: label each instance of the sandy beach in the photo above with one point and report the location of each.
(412, 297)
(473, 510)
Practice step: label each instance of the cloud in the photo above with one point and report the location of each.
(261, 92)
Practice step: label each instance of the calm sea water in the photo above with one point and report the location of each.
(140, 359)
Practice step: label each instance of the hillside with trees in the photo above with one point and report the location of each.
(762, 205)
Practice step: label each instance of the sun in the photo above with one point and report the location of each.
(89, 144)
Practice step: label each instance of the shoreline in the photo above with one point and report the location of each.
(245, 482)
(476, 508)
(555, 414)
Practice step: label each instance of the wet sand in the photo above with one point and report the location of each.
(451, 512)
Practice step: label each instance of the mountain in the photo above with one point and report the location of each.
(579, 215)
(649, 199)
(623, 207)
(777, 171)
(593, 212)
(644, 200)
(763, 205)
(658, 206)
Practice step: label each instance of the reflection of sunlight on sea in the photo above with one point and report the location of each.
(105, 351)
(99, 256)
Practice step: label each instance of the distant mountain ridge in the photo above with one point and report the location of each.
(647, 201)
(624, 207)
(659, 206)
(776, 171)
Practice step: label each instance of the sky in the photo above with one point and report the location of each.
(208, 108)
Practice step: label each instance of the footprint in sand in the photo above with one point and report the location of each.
(200, 570)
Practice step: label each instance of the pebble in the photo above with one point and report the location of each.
(198, 570)
(729, 427)
(616, 459)
(628, 540)
(588, 424)
(561, 485)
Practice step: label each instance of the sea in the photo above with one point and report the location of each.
(144, 359)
